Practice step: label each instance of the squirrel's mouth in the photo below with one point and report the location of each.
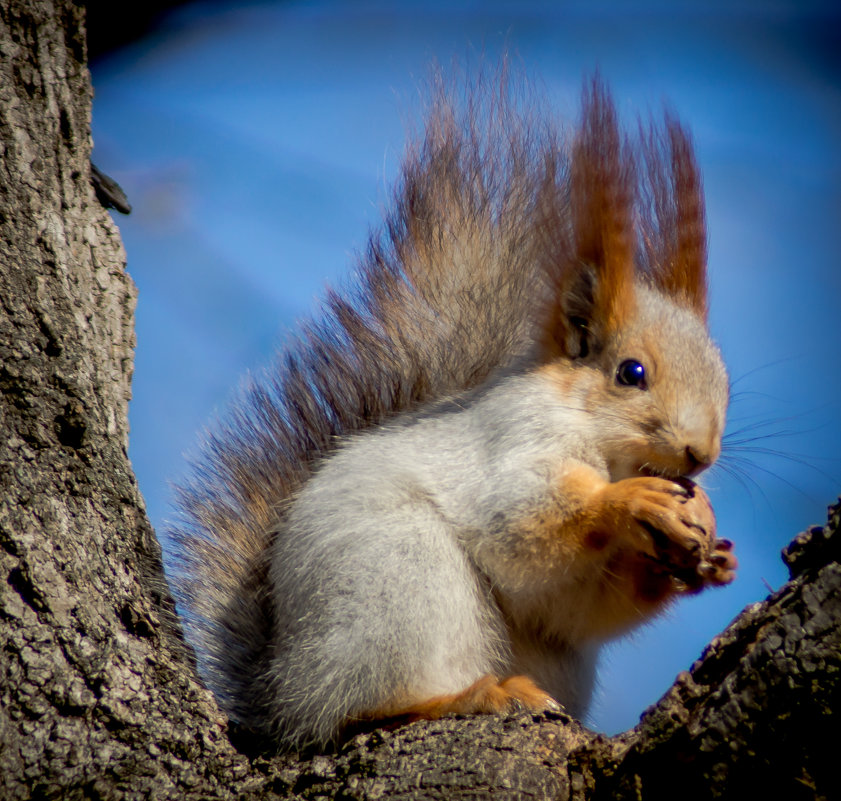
(656, 472)
(659, 472)
(649, 469)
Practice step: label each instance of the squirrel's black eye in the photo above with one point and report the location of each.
(631, 374)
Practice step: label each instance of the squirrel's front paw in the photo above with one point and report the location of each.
(720, 566)
(678, 517)
(671, 522)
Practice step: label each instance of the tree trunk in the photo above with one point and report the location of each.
(98, 694)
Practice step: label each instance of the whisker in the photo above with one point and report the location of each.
(760, 368)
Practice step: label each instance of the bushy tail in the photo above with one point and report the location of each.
(444, 294)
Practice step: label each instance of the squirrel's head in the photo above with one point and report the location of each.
(656, 390)
(626, 260)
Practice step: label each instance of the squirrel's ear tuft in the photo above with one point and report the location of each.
(672, 219)
(588, 225)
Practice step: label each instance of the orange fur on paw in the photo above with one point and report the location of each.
(486, 696)
(651, 538)
(672, 522)
(681, 549)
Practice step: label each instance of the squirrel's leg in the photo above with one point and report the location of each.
(656, 538)
(615, 552)
(488, 695)
(669, 521)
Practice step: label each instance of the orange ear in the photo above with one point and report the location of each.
(673, 220)
(590, 227)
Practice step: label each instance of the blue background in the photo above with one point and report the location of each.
(258, 144)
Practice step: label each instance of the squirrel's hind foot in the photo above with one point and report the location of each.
(486, 696)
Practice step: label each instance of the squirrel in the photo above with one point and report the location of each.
(477, 466)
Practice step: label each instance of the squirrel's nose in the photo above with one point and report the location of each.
(697, 460)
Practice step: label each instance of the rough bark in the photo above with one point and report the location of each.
(98, 697)
(94, 693)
